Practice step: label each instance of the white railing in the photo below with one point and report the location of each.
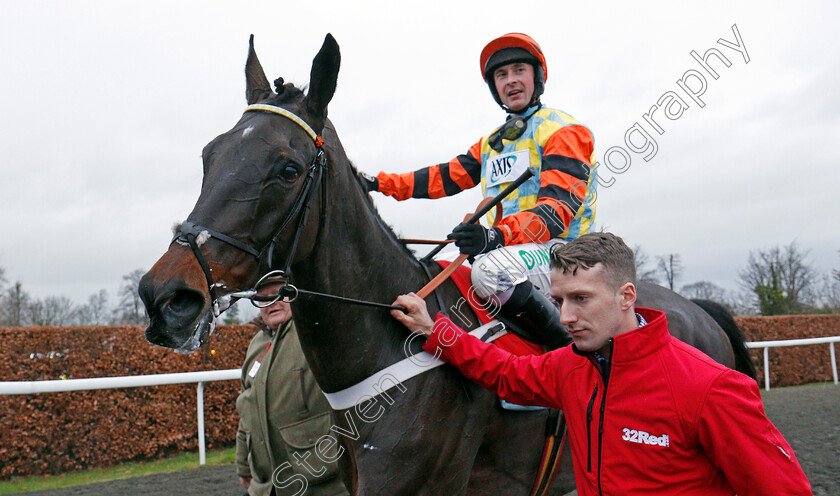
(31, 387)
(55, 386)
(794, 342)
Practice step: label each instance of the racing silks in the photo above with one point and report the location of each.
(557, 202)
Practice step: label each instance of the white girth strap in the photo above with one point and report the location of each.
(399, 372)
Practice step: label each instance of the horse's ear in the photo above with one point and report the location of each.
(256, 84)
(323, 78)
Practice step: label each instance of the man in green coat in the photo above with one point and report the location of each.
(282, 412)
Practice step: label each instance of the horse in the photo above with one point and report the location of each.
(279, 191)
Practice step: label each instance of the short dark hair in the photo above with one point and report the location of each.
(605, 248)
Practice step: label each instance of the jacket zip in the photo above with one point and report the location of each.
(589, 430)
(601, 419)
(601, 435)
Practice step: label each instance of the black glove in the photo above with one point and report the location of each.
(475, 239)
(370, 183)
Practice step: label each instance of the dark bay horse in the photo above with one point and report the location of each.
(271, 195)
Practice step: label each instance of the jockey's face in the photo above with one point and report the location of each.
(515, 85)
(592, 308)
(278, 312)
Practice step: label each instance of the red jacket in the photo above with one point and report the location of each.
(669, 420)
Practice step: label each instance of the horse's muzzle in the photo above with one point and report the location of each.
(174, 311)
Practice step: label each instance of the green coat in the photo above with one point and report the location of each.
(282, 411)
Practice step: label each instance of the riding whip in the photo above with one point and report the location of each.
(483, 209)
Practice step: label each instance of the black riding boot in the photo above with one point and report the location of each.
(531, 315)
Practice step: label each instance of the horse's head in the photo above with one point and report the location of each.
(259, 181)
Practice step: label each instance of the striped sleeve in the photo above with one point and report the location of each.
(446, 179)
(564, 183)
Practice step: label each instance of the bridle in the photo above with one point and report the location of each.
(194, 235)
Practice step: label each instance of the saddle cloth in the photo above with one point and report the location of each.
(509, 342)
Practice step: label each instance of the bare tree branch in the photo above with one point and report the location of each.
(704, 290)
(672, 268)
(644, 272)
(52, 311)
(14, 308)
(780, 278)
(95, 311)
(131, 310)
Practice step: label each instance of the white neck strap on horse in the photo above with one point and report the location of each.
(399, 372)
(289, 115)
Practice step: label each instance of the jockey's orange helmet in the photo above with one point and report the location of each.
(511, 48)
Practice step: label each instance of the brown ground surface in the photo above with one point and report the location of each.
(808, 416)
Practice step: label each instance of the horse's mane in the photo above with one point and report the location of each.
(289, 93)
(373, 210)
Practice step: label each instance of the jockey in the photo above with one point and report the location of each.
(556, 205)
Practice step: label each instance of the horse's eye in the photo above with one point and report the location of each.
(290, 173)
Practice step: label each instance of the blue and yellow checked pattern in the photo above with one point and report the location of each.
(543, 122)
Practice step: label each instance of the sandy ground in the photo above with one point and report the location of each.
(808, 416)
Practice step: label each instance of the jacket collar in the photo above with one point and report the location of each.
(638, 343)
(526, 113)
(645, 340)
(264, 327)
(284, 329)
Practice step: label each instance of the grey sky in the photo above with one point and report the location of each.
(106, 107)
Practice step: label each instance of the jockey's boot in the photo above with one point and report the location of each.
(533, 316)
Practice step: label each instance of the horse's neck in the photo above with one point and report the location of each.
(354, 257)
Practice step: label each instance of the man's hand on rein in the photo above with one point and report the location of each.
(415, 317)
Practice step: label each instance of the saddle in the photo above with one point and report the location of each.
(510, 342)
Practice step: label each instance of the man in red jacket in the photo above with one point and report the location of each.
(646, 412)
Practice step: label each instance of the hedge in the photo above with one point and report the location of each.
(53, 433)
(793, 365)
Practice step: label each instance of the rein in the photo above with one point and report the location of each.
(290, 292)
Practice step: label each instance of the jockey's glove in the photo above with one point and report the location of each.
(475, 239)
(370, 183)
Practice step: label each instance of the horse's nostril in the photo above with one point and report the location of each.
(184, 305)
(174, 310)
